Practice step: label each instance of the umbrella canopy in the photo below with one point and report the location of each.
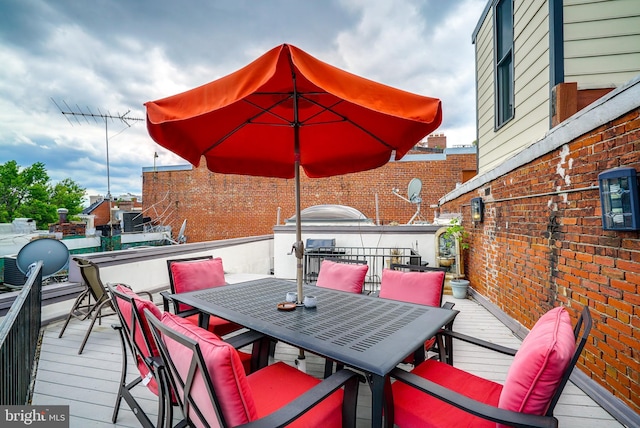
(287, 110)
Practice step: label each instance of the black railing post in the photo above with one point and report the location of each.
(19, 336)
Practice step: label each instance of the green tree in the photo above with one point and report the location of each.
(27, 192)
(68, 194)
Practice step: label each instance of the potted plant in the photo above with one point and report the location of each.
(455, 233)
(396, 256)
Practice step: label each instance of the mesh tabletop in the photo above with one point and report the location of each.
(365, 332)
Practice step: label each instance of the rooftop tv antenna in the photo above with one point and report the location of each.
(78, 113)
(413, 193)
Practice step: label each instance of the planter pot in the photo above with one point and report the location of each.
(446, 261)
(459, 288)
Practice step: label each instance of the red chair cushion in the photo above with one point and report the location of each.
(424, 288)
(196, 275)
(342, 276)
(414, 408)
(276, 385)
(141, 332)
(539, 364)
(225, 370)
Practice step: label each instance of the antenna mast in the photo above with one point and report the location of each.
(97, 117)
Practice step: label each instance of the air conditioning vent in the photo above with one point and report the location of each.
(12, 274)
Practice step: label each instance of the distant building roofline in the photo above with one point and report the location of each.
(165, 168)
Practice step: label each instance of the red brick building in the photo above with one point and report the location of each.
(542, 242)
(100, 209)
(219, 206)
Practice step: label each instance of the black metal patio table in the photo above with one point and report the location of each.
(364, 332)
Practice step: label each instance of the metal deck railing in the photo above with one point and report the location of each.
(377, 258)
(19, 336)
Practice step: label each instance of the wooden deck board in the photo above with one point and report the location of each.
(88, 383)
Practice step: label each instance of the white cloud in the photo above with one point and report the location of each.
(116, 56)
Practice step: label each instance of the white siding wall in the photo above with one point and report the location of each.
(531, 73)
(602, 42)
(485, 83)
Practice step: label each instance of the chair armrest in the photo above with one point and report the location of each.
(146, 293)
(155, 362)
(243, 339)
(479, 342)
(472, 406)
(166, 300)
(306, 401)
(445, 344)
(448, 305)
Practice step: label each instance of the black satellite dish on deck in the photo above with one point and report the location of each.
(53, 253)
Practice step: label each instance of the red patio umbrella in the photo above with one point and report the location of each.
(287, 110)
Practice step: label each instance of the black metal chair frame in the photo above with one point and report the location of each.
(328, 364)
(355, 261)
(83, 308)
(443, 343)
(496, 414)
(165, 299)
(154, 364)
(280, 418)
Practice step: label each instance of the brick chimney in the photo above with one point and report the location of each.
(437, 141)
(125, 205)
(62, 215)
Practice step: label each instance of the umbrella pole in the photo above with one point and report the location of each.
(299, 245)
(301, 362)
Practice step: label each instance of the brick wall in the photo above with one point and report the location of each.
(101, 213)
(532, 253)
(219, 206)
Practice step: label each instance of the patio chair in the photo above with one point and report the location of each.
(435, 394)
(343, 274)
(83, 307)
(192, 274)
(211, 391)
(135, 337)
(136, 340)
(422, 285)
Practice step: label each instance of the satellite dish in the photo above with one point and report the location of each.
(414, 189)
(181, 236)
(53, 253)
(413, 192)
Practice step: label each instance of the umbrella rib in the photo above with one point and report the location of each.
(286, 122)
(289, 95)
(268, 111)
(249, 121)
(343, 119)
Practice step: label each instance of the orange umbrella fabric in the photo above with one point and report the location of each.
(287, 110)
(244, 123)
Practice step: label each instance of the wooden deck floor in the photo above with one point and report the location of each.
(88, 382)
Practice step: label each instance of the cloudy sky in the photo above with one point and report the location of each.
(111, 56)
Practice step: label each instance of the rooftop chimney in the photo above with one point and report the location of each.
(62, 215)
(438, 141)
